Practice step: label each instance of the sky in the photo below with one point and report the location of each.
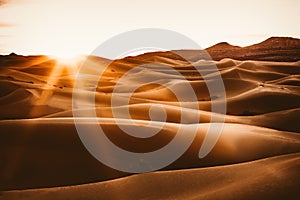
(70, 27)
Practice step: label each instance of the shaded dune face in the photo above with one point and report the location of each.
(234, 181)
(40, 147)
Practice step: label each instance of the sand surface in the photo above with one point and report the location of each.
(256, 157)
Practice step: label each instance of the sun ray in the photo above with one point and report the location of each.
(62, 67)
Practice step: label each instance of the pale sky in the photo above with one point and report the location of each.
(62, 27)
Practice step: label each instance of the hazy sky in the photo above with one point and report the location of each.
(78, 26)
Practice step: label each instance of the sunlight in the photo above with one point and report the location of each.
(67, 60)
(47, 91)
(65, 66)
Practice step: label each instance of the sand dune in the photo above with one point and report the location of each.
(262, 179)
(256, 156)
(45, 150)
(250, 85)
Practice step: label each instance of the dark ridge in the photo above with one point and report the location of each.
(277, 43)
(279, 49)
(223, 46)
(14, 59)
(13, 54)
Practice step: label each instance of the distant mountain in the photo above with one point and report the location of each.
(272, 49)
(277, 43)
(281, 49)
(222, 46)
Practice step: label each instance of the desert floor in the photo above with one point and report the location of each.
(257, 155)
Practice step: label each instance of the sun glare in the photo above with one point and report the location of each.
(67, 60)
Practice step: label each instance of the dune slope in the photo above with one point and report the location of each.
(270, 178)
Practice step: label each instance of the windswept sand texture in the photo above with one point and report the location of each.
(256, 157)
